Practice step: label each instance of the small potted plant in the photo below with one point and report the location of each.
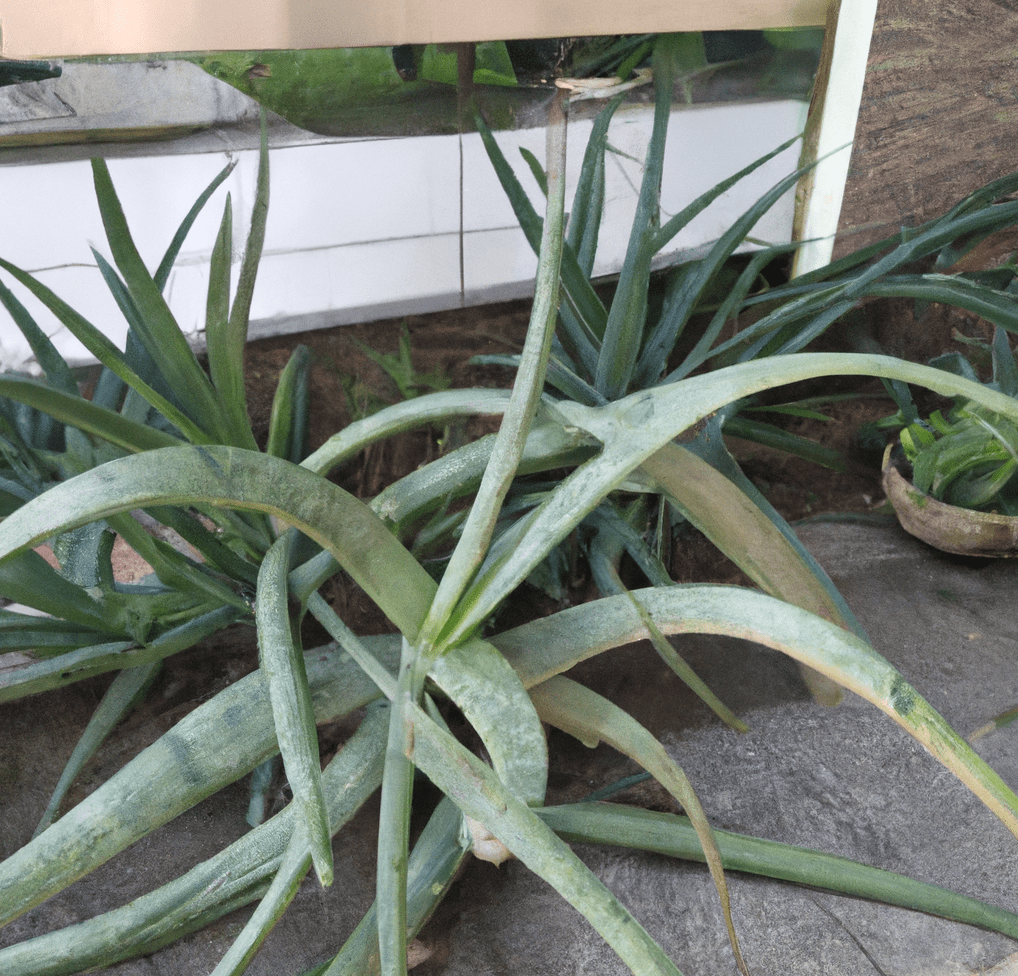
(953, 478)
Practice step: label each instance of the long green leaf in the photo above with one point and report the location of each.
(407, 415)
(43, 635)
(215, 552)
(476, 790)
(241, 311)
(174, 569)
(30, 580)
(293, 866)
(92, 659)
(169, 258)
(212, 746)
(489, 693)
(673, 836)
(591, 315)
(609, 583)
(527, 389)
(234, 877)
(660, 342)
(115, 704)
(58, 373)
(288, 421)
(226, 331)
(156, 326)
(623, 333)
(293, 713)
(734, 521)
(248, 480)
(434, 864)
(635, 428)
(998, 307)
(392, 865)
(929, 238)
(107, 353)
(224, 349)
(588, 201)
(457, 474)
(553, 644)
(591, 718)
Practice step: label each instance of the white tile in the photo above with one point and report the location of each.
(498, 261)
(707, 145)
(356, 225)
(49, 214)
(351, 192)
(357, 275)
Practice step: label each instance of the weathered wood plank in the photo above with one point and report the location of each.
(47, 28)
(939, 114)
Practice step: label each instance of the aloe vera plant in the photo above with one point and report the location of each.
(604, 352)
(154, 393)
(295, 529)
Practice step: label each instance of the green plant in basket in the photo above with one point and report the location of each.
(507, 684)
(968, 457)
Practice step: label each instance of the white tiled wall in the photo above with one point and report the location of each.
(364, 229)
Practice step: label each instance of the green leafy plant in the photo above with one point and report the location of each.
(399, 367)
(153, 394)
(968, 457)
(714, 313)
(294, 529)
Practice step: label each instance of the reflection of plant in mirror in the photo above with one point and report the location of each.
(298, 529)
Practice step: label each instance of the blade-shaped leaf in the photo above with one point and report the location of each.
(155, 324)
(104, 350)
(591, 718)
(476, 790)
(665, 833)
(92, 659)
(30, 580)
(526, 395)
(58, 373)
(553, 644)
(489, 693)
(234, 877)
(212, 746)
(127, 687)
(591, 315)
(635, 428)
(624, 330)
(288, 422)
(202, 476)
(293, 713)
(434, 863)
(166, 265)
